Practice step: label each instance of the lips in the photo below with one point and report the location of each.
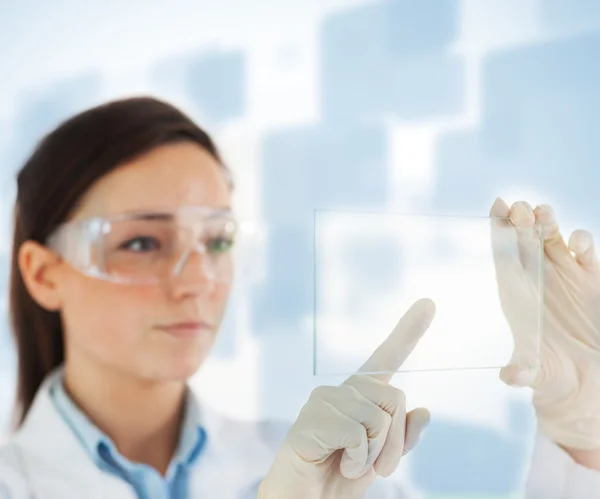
(187, 329)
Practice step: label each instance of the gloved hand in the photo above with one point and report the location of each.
(566, 386)
(346, 435)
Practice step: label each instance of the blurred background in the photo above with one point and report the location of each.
(432, 106)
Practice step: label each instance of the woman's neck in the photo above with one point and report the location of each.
(142, 418)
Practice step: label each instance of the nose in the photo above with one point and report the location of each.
(192, 275)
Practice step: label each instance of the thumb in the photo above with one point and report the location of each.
(417, 421)
(519, 376)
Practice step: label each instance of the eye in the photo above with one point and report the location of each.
(141, 244)
(219, 244)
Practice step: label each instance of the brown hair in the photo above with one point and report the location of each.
(63, 166)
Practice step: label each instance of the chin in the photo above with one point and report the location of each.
(184, 366)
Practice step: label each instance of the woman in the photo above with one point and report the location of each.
(120, 276)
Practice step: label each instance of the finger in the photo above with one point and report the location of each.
(353, 404)
(391, 354)
(581, 243)
(321, 429)
(507, 262)
(351, 436)
(529, 243)
(393, 402)
(555, 247)
(521, 214)
(499, 209)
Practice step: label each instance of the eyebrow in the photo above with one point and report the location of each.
(168, 216)
(154, 216)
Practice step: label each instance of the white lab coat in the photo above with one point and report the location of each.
(44, 460)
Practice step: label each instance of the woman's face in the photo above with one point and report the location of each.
(129, 327)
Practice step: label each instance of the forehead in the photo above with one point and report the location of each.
(170, 176)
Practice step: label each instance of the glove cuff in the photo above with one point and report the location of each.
(581, 432)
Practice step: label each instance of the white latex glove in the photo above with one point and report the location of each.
(346, 435)
(566, 386)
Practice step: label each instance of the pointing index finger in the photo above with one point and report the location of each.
(395, 349)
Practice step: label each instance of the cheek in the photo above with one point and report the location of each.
(114, 324)
(103, 316)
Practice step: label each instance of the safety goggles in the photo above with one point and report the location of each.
(151, 247)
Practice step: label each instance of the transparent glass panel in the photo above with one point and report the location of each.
(483, 273)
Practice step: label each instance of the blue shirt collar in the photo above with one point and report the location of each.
(191, 440)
